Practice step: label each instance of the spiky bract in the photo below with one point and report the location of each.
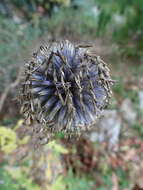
(65, 87)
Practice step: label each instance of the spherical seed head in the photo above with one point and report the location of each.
(65, 87)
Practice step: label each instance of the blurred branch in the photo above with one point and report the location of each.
(2, 70)
(8, 89)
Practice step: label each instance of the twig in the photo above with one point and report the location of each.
(7, 89)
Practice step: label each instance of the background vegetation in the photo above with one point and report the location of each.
(115, 28)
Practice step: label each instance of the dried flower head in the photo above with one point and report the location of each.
(65, 87)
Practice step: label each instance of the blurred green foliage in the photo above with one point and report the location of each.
(14, 42)
(15, 179)
(77, 183)
(57, 147)
(30, 7)
(16, 176)
(62, 23)
(70, 182)
(7, 139)
(124, 20)
(120, 21)
(22, 22)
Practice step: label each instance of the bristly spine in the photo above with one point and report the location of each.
(65, 87)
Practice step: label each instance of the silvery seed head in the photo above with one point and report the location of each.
(65, 87)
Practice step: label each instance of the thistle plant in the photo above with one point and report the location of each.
(65, 88)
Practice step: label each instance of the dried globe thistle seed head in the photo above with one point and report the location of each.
(65, 87)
